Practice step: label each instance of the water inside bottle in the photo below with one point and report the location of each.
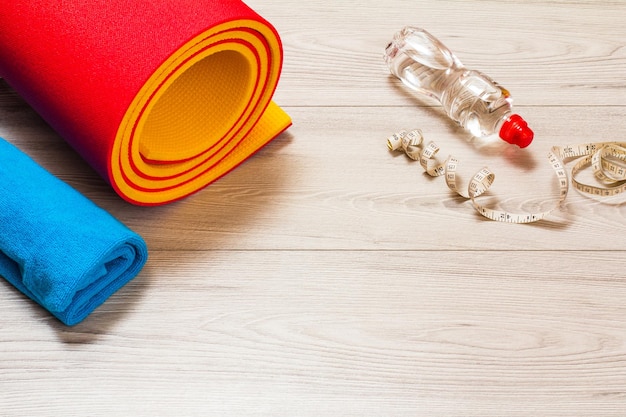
(427, 66)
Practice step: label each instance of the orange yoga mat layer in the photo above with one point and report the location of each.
(161, 97)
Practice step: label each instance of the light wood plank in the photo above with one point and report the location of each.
(325, 333)
(339, 188)
(555, 53)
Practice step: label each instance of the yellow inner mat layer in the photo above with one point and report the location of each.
(203, 112)
(188, 109)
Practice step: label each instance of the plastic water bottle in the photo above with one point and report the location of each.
(469, 97)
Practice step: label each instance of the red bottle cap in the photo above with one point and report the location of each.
(515, 130)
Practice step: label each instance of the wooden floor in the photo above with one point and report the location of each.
(327, 276)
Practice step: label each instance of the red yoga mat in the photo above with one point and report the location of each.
(161, 97)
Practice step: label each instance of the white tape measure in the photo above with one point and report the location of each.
(607, 159)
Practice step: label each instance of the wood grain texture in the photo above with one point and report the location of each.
(559, 53)
(327, 276)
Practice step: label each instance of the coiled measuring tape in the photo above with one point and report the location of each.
(607, 159)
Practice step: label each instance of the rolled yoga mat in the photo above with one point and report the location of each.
(58, 247)
(160, 97)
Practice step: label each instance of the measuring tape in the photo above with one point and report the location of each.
(607, 159)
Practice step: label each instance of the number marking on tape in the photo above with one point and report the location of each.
(606, 159)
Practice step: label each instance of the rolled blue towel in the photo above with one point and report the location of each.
(58, 247)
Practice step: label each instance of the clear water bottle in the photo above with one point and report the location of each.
(469, 97)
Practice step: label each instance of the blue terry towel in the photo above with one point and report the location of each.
(58, 247)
